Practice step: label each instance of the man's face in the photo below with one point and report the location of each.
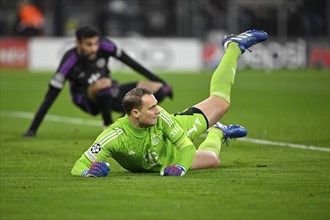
(148, 114)
(88, 47)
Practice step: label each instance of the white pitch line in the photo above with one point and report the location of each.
(283, 144)
(71, 120)
(54, 118)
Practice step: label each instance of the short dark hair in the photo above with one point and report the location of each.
(87, 32)
(133, 99)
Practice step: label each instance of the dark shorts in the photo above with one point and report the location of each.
(91, 107)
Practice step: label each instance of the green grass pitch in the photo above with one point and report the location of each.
(255, 181)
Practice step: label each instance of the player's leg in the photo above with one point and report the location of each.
(222, 80)
(84, 103)
(208, 153)
(101, 93)
(194, 122)
(122, 90)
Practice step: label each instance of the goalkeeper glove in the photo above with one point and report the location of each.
(171, 170)
(97, 169)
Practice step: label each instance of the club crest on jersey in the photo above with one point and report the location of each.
(100, 63)
(96, 148)
(155, 140)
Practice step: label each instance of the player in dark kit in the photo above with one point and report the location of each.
(91, 86)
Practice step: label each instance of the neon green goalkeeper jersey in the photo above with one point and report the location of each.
(146, 149)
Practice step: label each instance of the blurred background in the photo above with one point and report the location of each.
(281, 96)
(175, 18)
(299, 30)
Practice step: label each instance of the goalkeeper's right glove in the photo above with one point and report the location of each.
(97, 169)
(171, 170)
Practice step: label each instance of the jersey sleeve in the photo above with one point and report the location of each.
(175, 133)
(110, 48)
(99, 151)
(55, 86)
(69, 59)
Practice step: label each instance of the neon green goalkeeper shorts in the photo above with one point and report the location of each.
(193, 121)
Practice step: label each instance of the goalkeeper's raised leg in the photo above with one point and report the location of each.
(223, 78)
(217, 104)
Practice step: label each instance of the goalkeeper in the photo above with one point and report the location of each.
(149, 139)
(92, 88)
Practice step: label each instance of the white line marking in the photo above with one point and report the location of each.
(54, 118)
(282, 144)
(278, 144)
(71, 120)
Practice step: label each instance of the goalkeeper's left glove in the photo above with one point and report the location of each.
(176, 170)
(97, 169)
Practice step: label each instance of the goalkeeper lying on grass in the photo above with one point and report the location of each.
(149, 139)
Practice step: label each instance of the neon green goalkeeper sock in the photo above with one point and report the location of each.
(212, 141)
(224, 76)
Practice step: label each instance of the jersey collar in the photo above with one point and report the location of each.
(137, 132)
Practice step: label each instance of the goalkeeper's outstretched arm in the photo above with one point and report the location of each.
(80, 166)
(84, 167)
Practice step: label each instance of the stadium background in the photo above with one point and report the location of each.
(299, 31)
(281, 94)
